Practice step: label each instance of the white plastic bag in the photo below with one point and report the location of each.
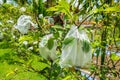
(76, 50)
(22, 9)
(1, 2)
(45, 51)
(24, 23)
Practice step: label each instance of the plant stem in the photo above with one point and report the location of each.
(84, 20)
(50, 70)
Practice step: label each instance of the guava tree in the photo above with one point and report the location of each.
(22, 53)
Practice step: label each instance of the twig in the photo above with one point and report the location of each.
(84, 19)
(50, 69)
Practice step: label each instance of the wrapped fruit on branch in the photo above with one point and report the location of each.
(24, 23)
(48, 47)
(76, 49)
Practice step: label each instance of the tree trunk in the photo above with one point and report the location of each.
(49, 3)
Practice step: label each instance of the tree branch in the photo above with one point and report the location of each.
(84, 20)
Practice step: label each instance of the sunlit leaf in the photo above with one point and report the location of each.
(115, 57)
(67, 78)
(112, 9)
(63, 6)
(109, 9)
(25, 38)
(52, 9)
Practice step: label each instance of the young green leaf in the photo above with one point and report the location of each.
(50, 43)
(114, 57)
(86, 46)
(56, 35)
(68, 40)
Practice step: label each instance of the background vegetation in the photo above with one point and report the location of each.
(22, 61)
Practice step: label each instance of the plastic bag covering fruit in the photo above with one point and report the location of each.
(24, 23)
(22, 9)
(1, 2)
(48, 47)
(76, 49)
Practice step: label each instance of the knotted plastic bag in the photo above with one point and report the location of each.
(48, 47)
(76, 49)
(24, 23)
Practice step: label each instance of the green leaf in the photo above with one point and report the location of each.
(67, 77)
(3, 51)
(63, 6)
(115, 57)
(25, 38)
(109, 9)
(68, 40)
(50, 43)
(56, 35)
(52, 9)
(39, 65)
(113, 9)
(86, 46)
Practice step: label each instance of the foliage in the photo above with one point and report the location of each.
(68, 40)
(19, 54)
(86, 46)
